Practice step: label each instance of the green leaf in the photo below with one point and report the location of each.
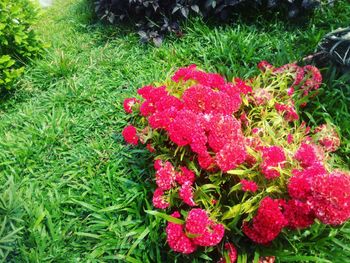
(232, 212)
(166, 217)
(237, 172)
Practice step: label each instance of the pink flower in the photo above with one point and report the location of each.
(250, 186)
(299, 186)
(186, 193)
(244, 120)
(203, 99)
(290, 138)
(267, 224)
(273, 157)
(330, 198)
(184, 73)
(205, 231)
(152, 96)
(130, 135)
(185, 175)
(192, 73)
(232, 155)
(223, 130)
(177, 239)
(212, 236)
(196, 222)
(308, 155)
(288, 111)
(186, 129)
(242, 86)
(264, 65)
(165, 176)
(158, 199)
(129, 103)
(298, 214)
(206, 161)
(158, 164)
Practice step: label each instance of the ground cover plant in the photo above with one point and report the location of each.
(232, 158)
(18, 40)
(71, 188)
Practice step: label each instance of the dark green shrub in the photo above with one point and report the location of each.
(18, 41)
(154, 18)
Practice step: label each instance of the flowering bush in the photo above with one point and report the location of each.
(233, 158)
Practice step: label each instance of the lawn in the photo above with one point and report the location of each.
(72, 191)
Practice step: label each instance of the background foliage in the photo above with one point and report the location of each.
(154, 18)
(18, 41)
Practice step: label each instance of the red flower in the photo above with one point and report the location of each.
(231, 156)
(185, 175)
(330, 198)
(267, 224)
(298, 214)
(186, 193)
(196, 222)
(250, 186)
(308, 155)
(177, 239)
(273, 157)
(130, 135)
(264, 65)
(299, 186)
(129, 103)
(242, 86)
(165, 176)
(289, 111)
(205, 231)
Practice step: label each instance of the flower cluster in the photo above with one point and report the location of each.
(237, 150)
(167, 178)
(198, 230)
(268, 222)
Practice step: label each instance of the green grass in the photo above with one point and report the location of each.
(72, 191)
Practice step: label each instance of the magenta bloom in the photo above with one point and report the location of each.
(273, 157)
(158, 199)
(129, 103)
(186, 193)
(268, 222)
(330, 198)
(206, 231)
(250, 186)
(177, 239)
(130, 135)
